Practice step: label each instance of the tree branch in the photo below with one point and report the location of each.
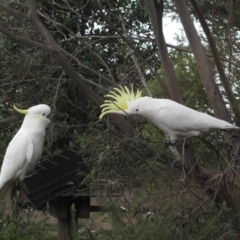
(105, 65)
(204, 70)
(78, 80)
(223, 77)
(207, 54)
(137, 53)
(140, 73)
(155, 11)
(24, 40)
(88, 68)
(11, 11)
(33, 18)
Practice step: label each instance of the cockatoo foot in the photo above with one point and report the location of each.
(36, 171)
(30, 174)
(167, 142)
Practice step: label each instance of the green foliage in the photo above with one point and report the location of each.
(114, 156)
(181, 209)
(30, 76)
(25, 226)
(159, 211)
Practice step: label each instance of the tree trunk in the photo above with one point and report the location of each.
(155, 11)
(222, 191)
(226, 84)
(205, 72)
(201, 176)
(219, 187)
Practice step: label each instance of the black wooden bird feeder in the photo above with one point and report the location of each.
(58, 181)
(55, 176)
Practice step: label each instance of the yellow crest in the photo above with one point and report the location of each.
(119, 102)
(20, 110)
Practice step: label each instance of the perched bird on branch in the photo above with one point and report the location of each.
(175, 120)
(26, 147)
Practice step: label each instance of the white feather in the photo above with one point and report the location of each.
(25, 149)
(176, 120)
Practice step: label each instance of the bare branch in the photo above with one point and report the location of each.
(137, 53)
(204, 70)
(33, 18)
(94, 84)
(223, 77)
(140, 73)
(20, 15)
(24, 40)
(88, 68)
(230, 40)
(105, 64)
(207, 54)
(155, 11)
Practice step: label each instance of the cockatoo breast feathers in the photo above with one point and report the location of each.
(120, 100)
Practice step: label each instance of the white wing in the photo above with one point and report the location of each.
(30, 149)
(18, 155)
(178, 117)
(177, 120)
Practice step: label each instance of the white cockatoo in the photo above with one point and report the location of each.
(26, 147)
(175, 120)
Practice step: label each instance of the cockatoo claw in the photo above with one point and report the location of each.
(29, 175)
(167, 142)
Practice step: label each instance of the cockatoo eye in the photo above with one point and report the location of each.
(43, 114)
(137, 110)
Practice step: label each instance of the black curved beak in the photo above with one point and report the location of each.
(49, 117)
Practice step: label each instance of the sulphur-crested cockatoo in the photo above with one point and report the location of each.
(26, 147)
(175, 120)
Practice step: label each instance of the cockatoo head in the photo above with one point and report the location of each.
(124, 101)
(39, 114)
